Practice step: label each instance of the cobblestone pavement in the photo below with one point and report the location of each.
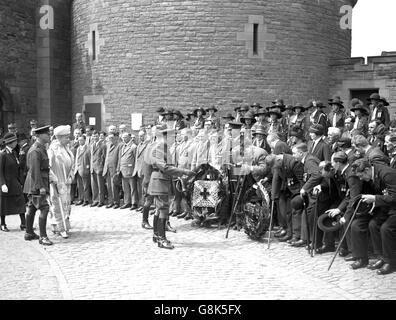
(109, 256)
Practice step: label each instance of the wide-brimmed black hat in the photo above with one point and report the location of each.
(42, 130)
(262, 111)
(178, 112)
(9, 138)
(361, 107)
(328, 224)
(199, 109)
(298, 106)
(336, 100)
(229, 116)
(160, 110)
(248, 115)
(167, 111)
(212, 108)
(384, 102)
(279, 114)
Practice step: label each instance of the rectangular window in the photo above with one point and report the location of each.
(93, 45)
(255, 38)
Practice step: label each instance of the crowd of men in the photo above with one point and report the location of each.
(338, 166)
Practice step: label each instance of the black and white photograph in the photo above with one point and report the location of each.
(197, 154)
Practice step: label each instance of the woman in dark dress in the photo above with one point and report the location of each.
(12, 200)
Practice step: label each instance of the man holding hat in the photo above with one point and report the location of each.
(160, 184)
(37, 186)
(317, 146)
(337, 114)
(379, 111)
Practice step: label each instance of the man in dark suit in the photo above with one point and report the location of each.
(73, 148)
(390, 144)
(110, 172)
(373, 154)
(378, 110)
(312, 178)
(287, 181)
(98, 153)
(126, 166)
(317, 146)
(138, 167)
(37, 186)
(161, 183)
(82, 171)
(383, 225)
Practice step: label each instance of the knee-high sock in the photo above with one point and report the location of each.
(161, 227)
(3, 220)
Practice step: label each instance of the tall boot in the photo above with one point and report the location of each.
(30, 235)
(155, 229)
(162, 241)
(145, 223)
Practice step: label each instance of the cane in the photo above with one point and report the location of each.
(315, 226)
(307, 227)
(235, 204)
(270, 225)
(344, 235)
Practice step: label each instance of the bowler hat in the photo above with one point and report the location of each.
(328, 224)
(248, 115)
(298, 203)
(298, 105)
(374, 96)
(317, 128)
(228, 116)
(9, 138)
(336, 100)
(42, 130)
(212, 108)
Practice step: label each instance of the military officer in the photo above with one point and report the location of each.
(160, 185)
(37, 186)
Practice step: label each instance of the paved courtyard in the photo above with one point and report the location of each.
(109, 256)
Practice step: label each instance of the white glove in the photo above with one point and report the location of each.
(317, 189)
(333, 212)
(4, 188)
(342, 220)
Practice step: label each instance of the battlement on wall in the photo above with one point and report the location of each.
(359, 64)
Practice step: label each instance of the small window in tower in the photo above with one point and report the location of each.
(255, 38)
(93, 45)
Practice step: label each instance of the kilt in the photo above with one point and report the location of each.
(12, 204)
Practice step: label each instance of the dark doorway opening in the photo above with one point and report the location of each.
(93, 115)
(363, 94)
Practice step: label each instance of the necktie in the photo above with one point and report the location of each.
(334, 120)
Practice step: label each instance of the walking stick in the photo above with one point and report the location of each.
(235, 204)
(315, 227)
(343, 236)
(270, 225)
(307, 227)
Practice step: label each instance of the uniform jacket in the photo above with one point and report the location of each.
(162, 172)
(381, 114)
(98, 155)
(287, 177)
(83, 161)
(139, 159)
(339, 120)
(10, 173)
(321, 150)
(22, 160)
(111, 159)
(126, 162)
(38, 170)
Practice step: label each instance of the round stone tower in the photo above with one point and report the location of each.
(135, 56)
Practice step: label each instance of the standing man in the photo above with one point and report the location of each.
(82, 172)
(110, 172)
(79, 124)
(138, 169)
(126, 166)
(98, 153)
(317, 146)
(160, 186)
(37, 186)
